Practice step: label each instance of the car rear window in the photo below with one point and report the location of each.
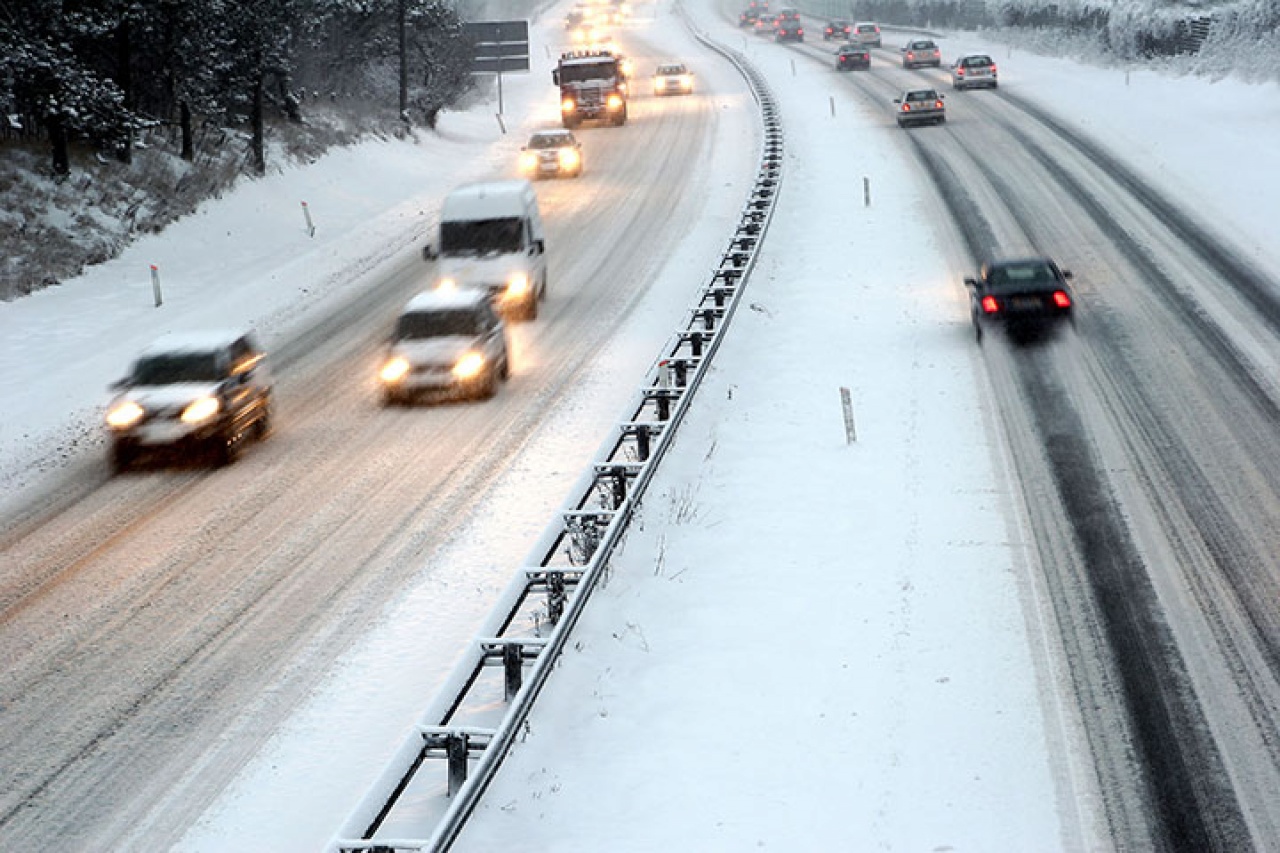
(1023, 275)
(977, 62)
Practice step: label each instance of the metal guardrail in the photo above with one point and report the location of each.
(476, 716)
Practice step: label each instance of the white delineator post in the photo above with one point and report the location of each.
(155, 284)
(846, 403)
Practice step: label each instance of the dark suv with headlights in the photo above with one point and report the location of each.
(195, 394)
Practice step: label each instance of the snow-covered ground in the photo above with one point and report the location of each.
(804, 644)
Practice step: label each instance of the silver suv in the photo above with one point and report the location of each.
(445, 341)
(201, 393)
(974, 71)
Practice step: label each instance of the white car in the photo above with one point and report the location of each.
(551, 153)
(445, 342)
(672, 78)
(974, 71)
(866, 33)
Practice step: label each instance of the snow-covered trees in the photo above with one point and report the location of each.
(97, 70)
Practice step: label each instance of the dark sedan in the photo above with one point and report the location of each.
(837, 30)
(1025, 296)
(851, 56)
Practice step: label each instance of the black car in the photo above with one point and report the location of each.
(837, 30)
(1025, 296)
(851, 56)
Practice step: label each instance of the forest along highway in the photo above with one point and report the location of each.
(155, 626)
(1145, 441)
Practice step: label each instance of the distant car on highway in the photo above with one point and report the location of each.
(974, 71)
(837, 29)
(851, 56)
(867, 32)
(551, 153)
(920, 53)
(445, 342)
(921, 106)
(787, 26)
(194, 394)
(672, 78)
(1025, 296)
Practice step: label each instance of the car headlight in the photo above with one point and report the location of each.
(468, 366)
(124, 415)
(569, 158)
(201, 410)
(518, 284)
(447, 283)
(395, 369)
(528, 162)
(567, 105)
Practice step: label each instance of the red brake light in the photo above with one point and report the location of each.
(993, 68)
(1061, 299)
(906, 108)
(960, 71)
(990, 305)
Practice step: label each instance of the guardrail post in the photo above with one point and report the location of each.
(642, 442)
(455, 748)
(513, 669)
(555, 597)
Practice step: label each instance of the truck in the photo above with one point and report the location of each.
(593, 87)
(491, 239)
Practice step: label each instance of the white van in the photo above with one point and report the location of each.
(491, 239)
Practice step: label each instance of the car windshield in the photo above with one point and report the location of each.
(420, 325)
(549, 140)
(1029, 274)
(481, 237)
(168, 368)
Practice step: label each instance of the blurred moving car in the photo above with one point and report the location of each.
(837, 30)
(445, 341)
(919, 53)
(1026, 296)
(851, 56)
(867, 32)
(787, 26)
(195, 394)
(921, 106)
(551, 153)
(672, 78)
(974, 71)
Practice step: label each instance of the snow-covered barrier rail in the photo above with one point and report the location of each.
(438, 774)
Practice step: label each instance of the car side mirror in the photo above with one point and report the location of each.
(539, 246)
(428, 253)
(1066, 273)
(555, 76)
(897, 100)
(119, 384)
(971, 282)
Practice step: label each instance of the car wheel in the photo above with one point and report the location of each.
(977, 331)
(122, 456)
(489, 385)
(942, 120)
(504, 369)
(262, 428)
(225, 449)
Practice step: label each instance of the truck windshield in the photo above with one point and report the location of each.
(585, 72)
(481, 236)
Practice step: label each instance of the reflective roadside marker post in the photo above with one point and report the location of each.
(155, 284)
(866, 192)
(306, 214)
(846, 403)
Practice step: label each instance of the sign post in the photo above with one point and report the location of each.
(499, 46)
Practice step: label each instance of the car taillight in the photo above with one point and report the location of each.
(990, 305)
(937, 105)
(1061, 299)
(959, 72)
(906, 108)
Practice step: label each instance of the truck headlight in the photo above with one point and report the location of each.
(201, 410)
(528, 162)
(394, 369)
(614, 102)
(567, 105)
(468, 366)
(569, 158)
(124, 415)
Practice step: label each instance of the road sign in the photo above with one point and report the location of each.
(499, 46)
